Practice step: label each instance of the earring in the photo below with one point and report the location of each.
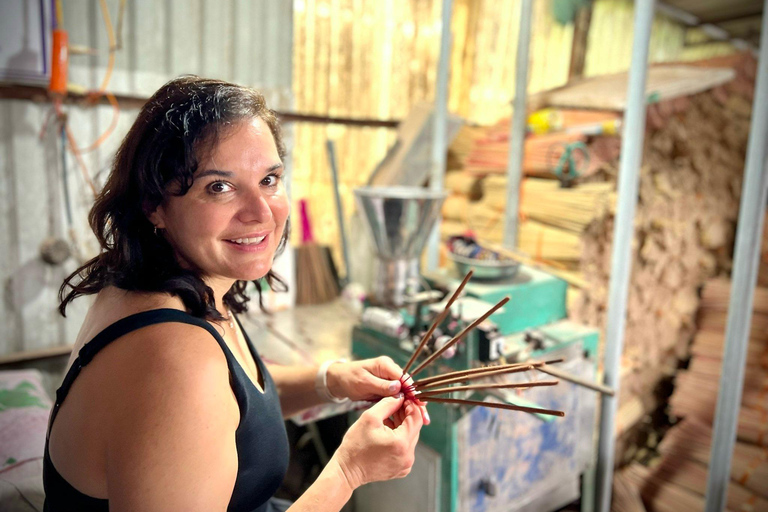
(155, 230)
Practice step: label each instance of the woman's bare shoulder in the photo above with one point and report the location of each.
(173, 356)
(173, 417)
(158, 398)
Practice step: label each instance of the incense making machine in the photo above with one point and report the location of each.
(474, 458)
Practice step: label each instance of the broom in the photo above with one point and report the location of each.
(315, 274)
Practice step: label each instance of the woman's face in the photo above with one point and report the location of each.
(229, 224)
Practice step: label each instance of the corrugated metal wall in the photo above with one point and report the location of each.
(249, 42)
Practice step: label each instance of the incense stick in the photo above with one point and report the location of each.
(481, 387)
(494, 405)
(437, 321)
(474, 376)
(576, 380)
(472, 371)
(458, 337)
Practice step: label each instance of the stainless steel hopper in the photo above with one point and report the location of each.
(399, 221)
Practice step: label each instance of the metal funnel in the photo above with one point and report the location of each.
(399, 221)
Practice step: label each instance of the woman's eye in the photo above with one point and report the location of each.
(271, 180)
(219, 187)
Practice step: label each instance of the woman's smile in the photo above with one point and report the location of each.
(249, 243)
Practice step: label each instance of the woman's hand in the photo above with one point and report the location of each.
(364, 380)
(381, 444)
(368, 379)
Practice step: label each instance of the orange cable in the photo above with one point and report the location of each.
(79, 159)
(112, 126)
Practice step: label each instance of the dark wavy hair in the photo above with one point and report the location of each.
(182, 121)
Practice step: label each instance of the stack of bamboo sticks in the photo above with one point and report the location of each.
(553, 218)
(485, 150)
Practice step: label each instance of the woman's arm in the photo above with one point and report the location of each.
(171, 418)
(357, 380)
(379, 446)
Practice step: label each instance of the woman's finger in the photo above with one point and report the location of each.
(412, 422)
(385, 368)
(425, 414)
(381, 387)
(386, 407)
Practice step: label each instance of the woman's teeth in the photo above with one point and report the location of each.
(248, 241)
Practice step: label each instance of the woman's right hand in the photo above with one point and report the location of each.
(381, 444)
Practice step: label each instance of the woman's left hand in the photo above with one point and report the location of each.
(364, 380)
(369, 379)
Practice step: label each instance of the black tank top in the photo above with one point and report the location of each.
(261, 440)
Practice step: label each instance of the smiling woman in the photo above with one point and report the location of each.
(168, 405)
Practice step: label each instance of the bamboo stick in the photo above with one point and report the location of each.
(495, 405)
(481, 387)
(459, 336)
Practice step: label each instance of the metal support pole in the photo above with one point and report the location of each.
(518, 126)
(440, 120)
(623, 233)
(331, 146)
(745, 266)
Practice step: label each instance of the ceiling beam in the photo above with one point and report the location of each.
(713, 31)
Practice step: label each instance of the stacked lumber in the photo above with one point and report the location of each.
(684, 228)
(626, 495)
(762, 276)
(677, 480)
(697, 387)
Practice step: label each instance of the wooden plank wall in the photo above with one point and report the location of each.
(609, 44)
(345, 65)
(241, 40)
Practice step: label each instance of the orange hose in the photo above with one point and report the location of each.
(79, 159)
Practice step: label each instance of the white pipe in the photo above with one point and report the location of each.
(440, 120)
(745, 266)
(623, 233)
(517, 127)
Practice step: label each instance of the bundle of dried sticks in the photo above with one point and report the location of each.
(429, 389)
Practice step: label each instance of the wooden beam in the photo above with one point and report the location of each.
(40, 94)
(579, 46)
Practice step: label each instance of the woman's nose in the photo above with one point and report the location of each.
(255, 208)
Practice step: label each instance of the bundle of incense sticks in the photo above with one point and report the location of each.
(429, 389)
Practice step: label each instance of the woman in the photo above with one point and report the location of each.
(167, 405)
